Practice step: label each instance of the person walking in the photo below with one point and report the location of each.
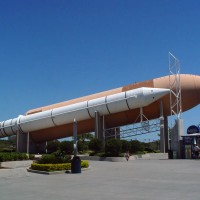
(127, 156)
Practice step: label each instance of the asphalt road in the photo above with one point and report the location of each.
(135, 180)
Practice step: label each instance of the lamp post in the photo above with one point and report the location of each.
(76, 161)
(75, 137)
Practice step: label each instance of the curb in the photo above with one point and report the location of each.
(53, 172)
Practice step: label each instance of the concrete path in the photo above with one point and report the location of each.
(13, 173)
(135, 180)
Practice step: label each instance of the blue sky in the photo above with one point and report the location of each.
(52, 51)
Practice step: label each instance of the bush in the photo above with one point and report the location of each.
(95, 145)
(50, 167)
(113, 147)
(84, 164)
(57, 167)
(149, 150)
(126, 146)
(136, 146)
(82, 146)
(67, 147)
(31, 157)
(53, 146)
(13, 156)
(54, 158)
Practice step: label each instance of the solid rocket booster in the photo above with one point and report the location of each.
(81, 111)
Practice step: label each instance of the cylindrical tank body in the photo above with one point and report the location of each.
(190, 88)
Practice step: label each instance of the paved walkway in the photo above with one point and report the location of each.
(135, 180)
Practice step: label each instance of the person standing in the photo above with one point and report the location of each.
(196, 151)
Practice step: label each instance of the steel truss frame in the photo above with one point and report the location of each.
(175, 87)
(131, 130)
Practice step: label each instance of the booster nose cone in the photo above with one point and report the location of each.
(153, 94)
(159, 92)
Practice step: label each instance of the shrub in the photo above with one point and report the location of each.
(57, 167)
(54, 158)
(84, 164)
(136, 146)
(113, 147)
(53, 146)
(80, 146)
(67, 147)
(50, 167)
(12, 156)
(95, 145)
(126, 146)
(31, 157)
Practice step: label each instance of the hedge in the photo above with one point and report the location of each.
(14, 156)
(57, 167)
(55, 158)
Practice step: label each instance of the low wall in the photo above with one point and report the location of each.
(149, 156)
(97, 158)
(152, 156)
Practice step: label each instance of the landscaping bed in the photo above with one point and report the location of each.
(57, 166)
(55, 162)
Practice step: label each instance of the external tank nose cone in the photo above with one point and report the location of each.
(190, 90)
(197, 85)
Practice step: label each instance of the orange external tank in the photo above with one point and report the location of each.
(190, 90)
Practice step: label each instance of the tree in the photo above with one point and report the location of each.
(95, 145)
(67, 147)
(113, 147)
(126, 146)
(82, 146)
(83, 141)
(84, 137)
(53, 146)
(136, 146)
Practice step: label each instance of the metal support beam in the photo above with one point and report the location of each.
(99, 126)
(17, 142)
(28, 138)
(166, 134)
(162, 132)
(104, 137)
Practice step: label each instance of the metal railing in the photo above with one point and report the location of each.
(132, 130)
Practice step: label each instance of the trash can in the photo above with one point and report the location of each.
(76, 165)
(170, 154)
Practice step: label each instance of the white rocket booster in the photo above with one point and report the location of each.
(106, 105)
